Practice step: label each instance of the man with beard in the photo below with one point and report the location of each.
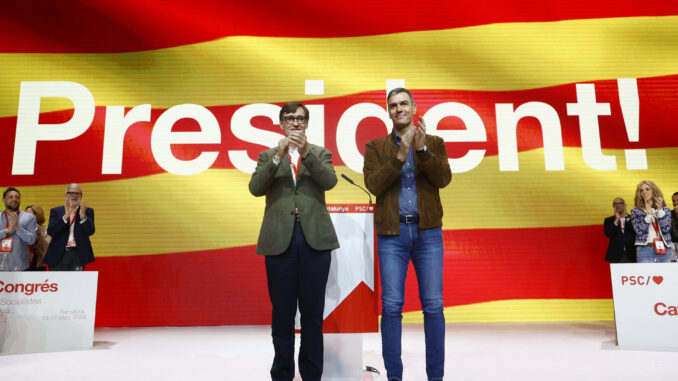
(70, 227)
(19, 231)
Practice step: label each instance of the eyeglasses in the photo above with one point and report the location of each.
(291, 118)
(74, 193)
(617, 203)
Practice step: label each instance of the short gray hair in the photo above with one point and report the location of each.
(73, 185)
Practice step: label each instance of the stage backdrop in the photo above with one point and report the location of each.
(549, 110)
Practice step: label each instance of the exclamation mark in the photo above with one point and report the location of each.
(630, 105)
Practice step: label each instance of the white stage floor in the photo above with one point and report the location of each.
(506, 352)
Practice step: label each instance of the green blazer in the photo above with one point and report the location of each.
(316, 175)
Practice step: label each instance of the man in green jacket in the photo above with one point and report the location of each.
(297, 237)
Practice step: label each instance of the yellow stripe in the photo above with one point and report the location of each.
(167, 213)
(524, 311)
(485, 198)
(241, 70)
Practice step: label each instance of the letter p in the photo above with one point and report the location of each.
(28, 129)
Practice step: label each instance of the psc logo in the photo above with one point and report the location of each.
(641, 280)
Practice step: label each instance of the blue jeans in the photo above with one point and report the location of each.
(425, 249)
(646, 254)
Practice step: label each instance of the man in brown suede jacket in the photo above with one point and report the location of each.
(405, 169)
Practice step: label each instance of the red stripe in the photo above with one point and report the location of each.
(657, 115)
(81, 26)
(228, 286)
(357, 313)
(199, 288)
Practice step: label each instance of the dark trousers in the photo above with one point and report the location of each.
(299, 275)
(69, 261)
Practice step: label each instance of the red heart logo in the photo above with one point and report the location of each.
(658, 279)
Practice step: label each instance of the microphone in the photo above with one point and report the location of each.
(351, 182)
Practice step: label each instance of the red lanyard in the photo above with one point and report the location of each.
(71, 221)
(655, 225)
(295, 167)
(7, 218)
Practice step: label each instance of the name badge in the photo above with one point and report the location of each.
(6, 245)
(659, 246)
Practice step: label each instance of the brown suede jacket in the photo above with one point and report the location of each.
(382, 177)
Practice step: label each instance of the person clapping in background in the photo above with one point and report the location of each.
(17, 232)
(70, 226)
(651, 220)
(619, 230)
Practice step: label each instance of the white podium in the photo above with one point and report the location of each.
(47, 311)
(646, 305)
(351, 295)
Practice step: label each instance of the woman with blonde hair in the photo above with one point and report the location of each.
(37, 251)
(651, 219)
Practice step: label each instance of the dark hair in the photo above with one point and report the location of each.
(10, 189)
(675, 194)
(399, 90)
(291, 108)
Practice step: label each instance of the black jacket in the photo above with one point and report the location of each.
(622, 246)
(59, 230)
(674, 227)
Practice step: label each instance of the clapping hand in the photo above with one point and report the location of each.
(419, 134)
(12, 220)
(298, 138)
(83, 209)
(658, 202)
(405, 143)
(68, 209)
(283, 147)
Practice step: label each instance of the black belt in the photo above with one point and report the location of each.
(410, 219)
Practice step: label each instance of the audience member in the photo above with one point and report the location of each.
(18, 233)
(36, 252)
(70, 226)
(651, 220)
(619, 230)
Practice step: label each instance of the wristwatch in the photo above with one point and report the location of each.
(423, 149)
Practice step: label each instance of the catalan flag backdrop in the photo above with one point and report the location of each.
(549, 109)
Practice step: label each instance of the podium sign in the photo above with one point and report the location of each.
(351, 294)
(646, 304)
(47, 311)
